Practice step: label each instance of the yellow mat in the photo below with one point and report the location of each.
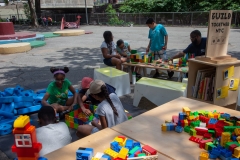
(14, 48)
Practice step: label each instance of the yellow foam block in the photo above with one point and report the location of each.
(14, 48)
(70, 32)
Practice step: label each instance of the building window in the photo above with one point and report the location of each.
(23, 140)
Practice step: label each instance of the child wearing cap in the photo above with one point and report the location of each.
(83, 97)
(110, 109)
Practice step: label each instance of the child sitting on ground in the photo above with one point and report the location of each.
(110, 110)
(52, 135)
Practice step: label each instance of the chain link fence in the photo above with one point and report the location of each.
(165, 18)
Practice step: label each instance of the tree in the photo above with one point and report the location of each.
(33, 13)
(6, 2)
(220, 5)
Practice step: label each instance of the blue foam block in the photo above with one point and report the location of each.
(8, 107)
(6, 114)
(5, 129)
(22, 99)
(2, 94)
(8, 121)
(29, 109)
(7, 99)
(23, 104)
(106, 156)
(41, 91)
(38, 97)
(9, 91)
(17, 90)
(27, 93)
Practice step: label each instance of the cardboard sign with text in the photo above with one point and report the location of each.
(219, 25)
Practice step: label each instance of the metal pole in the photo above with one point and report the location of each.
(191, 18)
(236, 19)
(86, 11)
(173, 19)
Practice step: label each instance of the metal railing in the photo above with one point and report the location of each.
(166, 18)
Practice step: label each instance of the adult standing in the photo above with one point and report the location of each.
(158, 41)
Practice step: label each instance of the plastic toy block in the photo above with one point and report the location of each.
(76, 125)
(212, 156)
(232, 147)
(111, 153)
(21, 121)
(6, 114)
(225, 138)
(129, 144)
(234, 138)
(237, 131)
(181, 116)
(67, 123)
(185, 122)
(71, 119)
(212, 121)
(123, 153)
(29, 109)
(229, 144)
(141, 154)
(207, 135)
(210, 115)
(174, 119)
(8, 91)
(192, 132)
(208, 146)
(164, 127)
(216, 151)
(136, 153)
(212, 132)
(82, 150)
(191, 118)
(226, 153)
(186, 110)
(93, 158)
(5, 129)
(234, 159)
(238, 139)
(187, 129)
(225, 116)
(42, 158)
(238, 123)
(203, 156)
(148, 150)
(6, 99)
(8, 107)
(106, 156)
(203, 142)
(115, 146)
(131, 156)
(201, 130)
(195, 139)
(236, 152)
(139, 145)
(179, 129)
(224, 158)
(83, 156)
(135, 149)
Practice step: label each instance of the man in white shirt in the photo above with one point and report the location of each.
(52, 135)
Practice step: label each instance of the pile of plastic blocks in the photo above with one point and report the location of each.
(217, 133)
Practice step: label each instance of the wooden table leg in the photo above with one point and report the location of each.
(130, 73)
(144, 72)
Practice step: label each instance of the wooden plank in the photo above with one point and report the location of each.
(219, 25)
(217, 60)
(99, 141)
(214, 64)
(146, 128)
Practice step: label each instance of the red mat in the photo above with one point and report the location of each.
(17, 35)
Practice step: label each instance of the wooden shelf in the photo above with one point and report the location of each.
(195, 65)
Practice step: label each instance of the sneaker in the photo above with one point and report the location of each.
(156, 75)
(170, 74)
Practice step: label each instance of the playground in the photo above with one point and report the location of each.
(82, 55)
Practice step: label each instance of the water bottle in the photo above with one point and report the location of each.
(133, 78)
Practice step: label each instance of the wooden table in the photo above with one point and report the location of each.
(99, 141)
(143, 66)
(146, 128)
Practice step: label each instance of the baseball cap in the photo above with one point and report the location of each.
(95, 87)
(85, 84)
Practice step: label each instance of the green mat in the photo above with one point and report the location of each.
(50, 35)
(35, 44)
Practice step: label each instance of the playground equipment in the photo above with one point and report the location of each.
(65, 24)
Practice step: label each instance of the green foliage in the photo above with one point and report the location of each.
(6, 2)
(112, 16)
(26, 10)
(140, 6)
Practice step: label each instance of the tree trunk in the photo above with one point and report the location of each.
(33, 13)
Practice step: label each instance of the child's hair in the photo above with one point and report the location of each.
(149, 21)
(47, 114)
(119, 42)
(107, 35)
(104, 94)
(57, 71)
